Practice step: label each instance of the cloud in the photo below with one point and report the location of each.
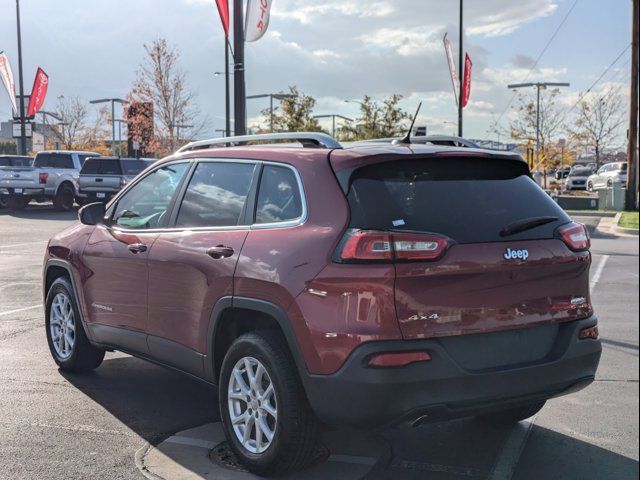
(417, 41)
(307, 12)
(510, 17)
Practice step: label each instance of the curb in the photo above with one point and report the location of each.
(623, 230)
(589, 213)
(187, 455)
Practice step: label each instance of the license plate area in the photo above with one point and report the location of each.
(100, 195)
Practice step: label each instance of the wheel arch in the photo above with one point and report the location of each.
(65, 182)
(54, 269)
(234, 316)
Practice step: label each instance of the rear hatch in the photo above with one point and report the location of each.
(477, 246)
(101, 175)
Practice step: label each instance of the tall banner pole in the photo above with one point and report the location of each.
(239, 90)
(23, 133)
(460, 69)
(227, 86)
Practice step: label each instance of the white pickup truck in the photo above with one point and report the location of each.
(53, 176)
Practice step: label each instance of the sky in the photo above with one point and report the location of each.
(331, 49)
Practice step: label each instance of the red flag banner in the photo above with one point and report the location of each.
(223, 10)
(466, 82)
(38, 92)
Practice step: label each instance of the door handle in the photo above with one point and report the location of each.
(220, 251)
(137, 247)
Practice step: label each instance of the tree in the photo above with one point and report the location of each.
(162, 82)
(598, 122)
(376, 120)
(76, 131)
(294, 114)
(523, 127)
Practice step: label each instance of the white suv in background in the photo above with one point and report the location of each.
(607, 174)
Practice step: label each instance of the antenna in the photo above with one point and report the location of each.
(407, 139)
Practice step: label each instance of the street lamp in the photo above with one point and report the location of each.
(333, 117)
(44, 114)
(113, 117)
(120, 122)
(178, 127)
(539, 86)
(271, 96)
(355, 101)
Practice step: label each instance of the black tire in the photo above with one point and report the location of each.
(17, 202)
(4, 201)
(84, 357)
(63, 201)
(609, 183)
(512, 415)
(294, 444)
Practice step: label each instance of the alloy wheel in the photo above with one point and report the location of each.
(252, 405)
(62, 326)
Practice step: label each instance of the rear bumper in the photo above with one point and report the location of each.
(441, 388)
(24, 191)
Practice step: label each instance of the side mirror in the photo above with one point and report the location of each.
(92, 214)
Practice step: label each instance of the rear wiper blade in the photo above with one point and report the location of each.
(525, 224)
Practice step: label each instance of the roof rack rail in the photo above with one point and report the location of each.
(307, 139)
(442, 140)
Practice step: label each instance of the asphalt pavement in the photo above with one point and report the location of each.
(56, 425)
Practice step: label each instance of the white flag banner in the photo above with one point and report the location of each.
(452, 67)
(257, 20)
(7, 79)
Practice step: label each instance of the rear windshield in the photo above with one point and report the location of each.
(101, 166)
(467, 199)
(134, 167)
(53, 160)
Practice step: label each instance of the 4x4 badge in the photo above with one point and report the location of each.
(510, 254)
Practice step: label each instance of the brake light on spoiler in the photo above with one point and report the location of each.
(362, 245)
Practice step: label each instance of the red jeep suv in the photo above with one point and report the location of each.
(362, 285)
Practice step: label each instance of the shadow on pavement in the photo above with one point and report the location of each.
(152, 401)
(41, 212)
(155, 403)
(550, 454)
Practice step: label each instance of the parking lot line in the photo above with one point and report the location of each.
(511, 451)
(23, 244)
(18, 310)
(598, 273)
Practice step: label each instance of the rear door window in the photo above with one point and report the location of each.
(54, 160)
(133, 167)
(101, 166)
(279, 197)
(216, 195)
(466, 199)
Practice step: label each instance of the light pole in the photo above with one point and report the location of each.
(64, 140)
(23, 134)
(271, 96)
(539, 86)
(333, 117)
(44, 114)
(178, 127)
(239, 90)
(227, 101)
(120, 122)
(460, 67)
(113, 117)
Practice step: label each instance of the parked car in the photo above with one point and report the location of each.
(562, 173)
(7, 162)
(577, 178)
(102, 177)
(607, 175)
(53, 176)
(331, 284)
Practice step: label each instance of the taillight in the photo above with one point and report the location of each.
(398, 359)
(589, 333)
(372, 246)
(576, 236)
(42, 177)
